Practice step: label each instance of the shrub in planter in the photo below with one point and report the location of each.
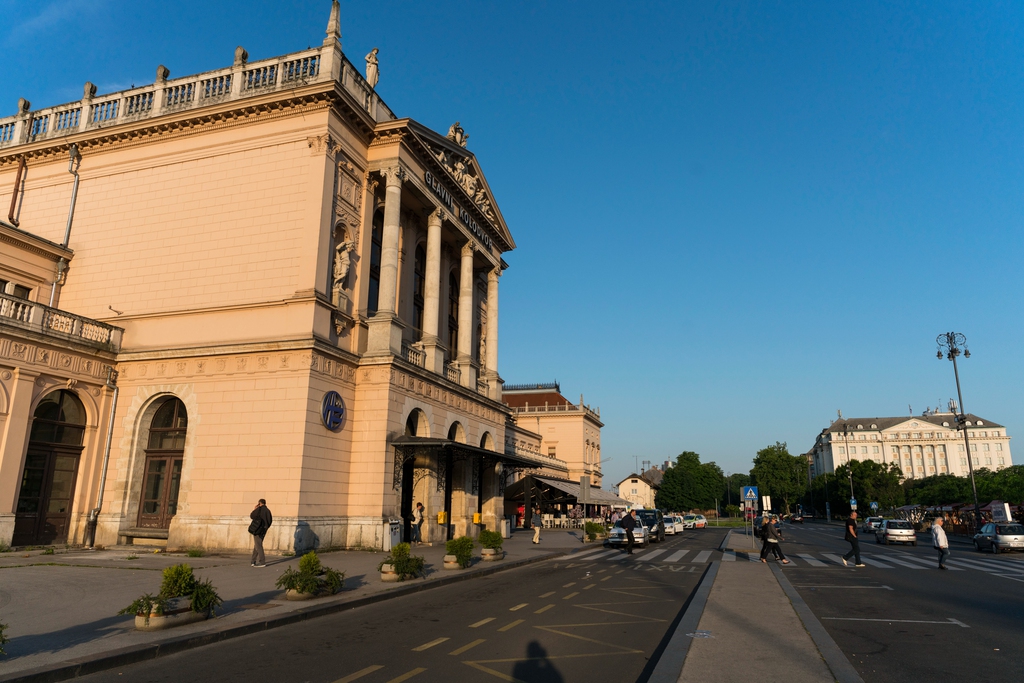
(312, 578)
(178, 583)
(404, 565)
(462, 549)
(593, 530)
(491, 540)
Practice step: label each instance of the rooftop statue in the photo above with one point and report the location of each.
(372, 69)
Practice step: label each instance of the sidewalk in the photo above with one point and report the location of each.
(63, 607)
(751, 622)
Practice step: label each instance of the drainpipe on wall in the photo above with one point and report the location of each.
(94, 514)
(74, 162)
(19, 191)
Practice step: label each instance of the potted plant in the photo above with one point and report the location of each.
(311, 580)
(594, 531)
(460, 553)
(182, 599)
(400, 565)
(491, 542)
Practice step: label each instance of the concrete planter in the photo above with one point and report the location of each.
(177, 612)
(451, 562)
(388, 573)
(292, 594)
(491, 554)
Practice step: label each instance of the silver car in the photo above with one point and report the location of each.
(1000, 537)
(617, 535)
(895, 531)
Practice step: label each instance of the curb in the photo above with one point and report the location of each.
(101, 661)
(670, 664)
(830, 652)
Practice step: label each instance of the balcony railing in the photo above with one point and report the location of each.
(191, 92)
(57, 323)
(452, 374)
(414, 355)
(557, 408)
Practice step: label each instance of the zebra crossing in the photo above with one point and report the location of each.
(1010, 568)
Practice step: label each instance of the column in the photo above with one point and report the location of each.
(432, 295)
(465, 359)
(491, 362)
(15, 444)
(385, 334)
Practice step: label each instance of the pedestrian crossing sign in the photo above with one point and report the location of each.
(750, 493)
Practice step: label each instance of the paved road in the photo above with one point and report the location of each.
(600, 616)
(901, 619)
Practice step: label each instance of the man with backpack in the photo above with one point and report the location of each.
(629, 524)
(261, 521)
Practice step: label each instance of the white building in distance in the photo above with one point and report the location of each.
(922, 446)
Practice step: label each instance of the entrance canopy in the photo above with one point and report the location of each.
(409, 447)
(562, 491)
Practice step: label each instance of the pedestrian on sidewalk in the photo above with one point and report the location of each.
(770, 538)
(536, 522)
(629, 524)
(939, 541)
(261, 521)
(851, 537)
(417, 523)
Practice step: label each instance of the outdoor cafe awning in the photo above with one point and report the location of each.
(570, 492)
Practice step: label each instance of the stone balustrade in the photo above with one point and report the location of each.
(171, 96)
(452, 373)
(57, 323)
(414, 355)
(557, 408)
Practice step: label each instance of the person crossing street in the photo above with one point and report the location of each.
(851, 537)
(629, 524)
(939, 541)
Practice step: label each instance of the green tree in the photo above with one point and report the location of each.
(690, 484)
(778, 474)
(734, 483)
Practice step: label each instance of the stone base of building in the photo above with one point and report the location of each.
(287, 534)
(6, 528)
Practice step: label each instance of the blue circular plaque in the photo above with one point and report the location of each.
(332, 411)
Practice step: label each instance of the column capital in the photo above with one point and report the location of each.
(468, 249)
(394, 175)
(436, 216)
(493, 274)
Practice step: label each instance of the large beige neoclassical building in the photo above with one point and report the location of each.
(922, 446)
(273, 287)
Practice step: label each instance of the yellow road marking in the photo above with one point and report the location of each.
(571, 583)
(427, 646)
(571, 595)
(360, 673)
(518, 607)
(589, 587)
(543, 609)
(606, 578)
(508, 627)
(406, 676)
(481, 622)
(464, 648)
(601, 571)
(620, 571)
(548, 594)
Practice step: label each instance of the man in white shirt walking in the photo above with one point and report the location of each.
(939, 541)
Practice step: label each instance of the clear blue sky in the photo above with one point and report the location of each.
(732, 218)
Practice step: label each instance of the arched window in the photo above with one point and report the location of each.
(51, 469)
(487, 441)
(376, 246)
(456, 433)
(165, 452)
(453, 316)
(416, 424)
(419, 278)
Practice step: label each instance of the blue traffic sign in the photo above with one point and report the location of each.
(749, 493)
(853, 501)
(874, 505)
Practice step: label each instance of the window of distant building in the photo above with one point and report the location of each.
(419, 269)
(376, 246)
(551, 451)
(453, 318)
(874, 449)
(999, 446)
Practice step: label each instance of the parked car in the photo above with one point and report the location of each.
(895, 531)
(678, 523)
(654, 520)
(617, 535)
(689, 521)
(701, 522)
(871, 524)
(1000, 537)
(670, 525)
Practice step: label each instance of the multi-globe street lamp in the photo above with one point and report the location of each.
(951, 345)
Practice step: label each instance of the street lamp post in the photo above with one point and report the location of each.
(849, 461)
(950, 345)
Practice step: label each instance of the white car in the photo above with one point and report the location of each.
(690, 521)
(701, 522)
(673, 524)
(677, 522)
(617, 535)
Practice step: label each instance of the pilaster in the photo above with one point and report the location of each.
(15, 444)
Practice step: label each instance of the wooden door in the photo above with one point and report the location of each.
(160, 488)
(47, 491)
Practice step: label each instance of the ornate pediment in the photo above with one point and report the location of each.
(464, 170)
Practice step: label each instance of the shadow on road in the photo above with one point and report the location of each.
(537, 668)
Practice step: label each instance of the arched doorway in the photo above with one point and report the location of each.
(51, 469)
(415, 425)
(165, 451)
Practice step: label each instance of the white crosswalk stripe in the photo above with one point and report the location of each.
(676, 556)
(809, 559)
(834, 558)
(651, 554)
(701, 557)
(929, 562)
(874, 563)
(902, 562)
